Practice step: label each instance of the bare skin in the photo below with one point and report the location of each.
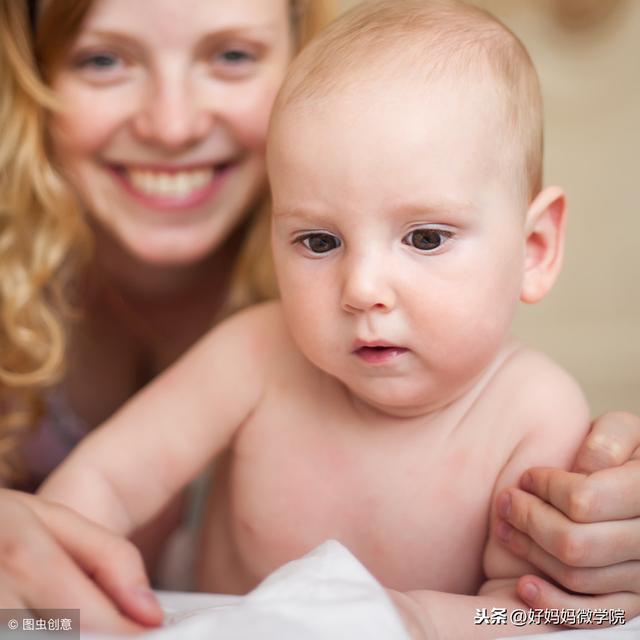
(135, 335)
(316, 436)
(302, 460)
(337, 471)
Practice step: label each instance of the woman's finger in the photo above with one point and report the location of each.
(614, 439)
(35, 573)
(586, 580)
(65, 586)
(8, 599)
(610, 494)
(73, 563)
(618, 608)
(574, 544)
(113, 562)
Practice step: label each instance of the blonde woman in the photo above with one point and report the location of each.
(132, 133)
(132, 201)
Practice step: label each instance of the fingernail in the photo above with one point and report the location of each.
(526, 482)
(503, 531)
(504, 505)
(606, 450)
(529, 592)
(147, 598)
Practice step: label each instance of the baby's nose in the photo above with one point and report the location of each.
(367, 286)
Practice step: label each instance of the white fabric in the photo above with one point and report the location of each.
(326, 595)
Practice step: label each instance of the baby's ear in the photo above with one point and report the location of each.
(544, 248)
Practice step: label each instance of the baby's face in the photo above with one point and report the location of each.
(398, 239)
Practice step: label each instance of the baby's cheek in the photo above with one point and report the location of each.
(468, 331)
(313, 327)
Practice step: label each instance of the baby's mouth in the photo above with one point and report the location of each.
(375, 354)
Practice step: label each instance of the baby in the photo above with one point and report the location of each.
(380, 402)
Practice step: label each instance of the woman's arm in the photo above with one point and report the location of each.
(582, 528)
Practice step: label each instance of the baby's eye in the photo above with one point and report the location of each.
(427, 239)
(320, 242)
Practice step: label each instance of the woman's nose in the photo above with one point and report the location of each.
(171, 116)
(367, 285)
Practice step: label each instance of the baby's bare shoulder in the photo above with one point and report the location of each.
(265, 315)
(539, 384)
(258, 334)
(541, 400)
(259, 327)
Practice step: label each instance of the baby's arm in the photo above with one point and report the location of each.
(131, 466)
(553, 417)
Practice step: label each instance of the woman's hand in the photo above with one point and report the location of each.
(71, 563)
(582, 528)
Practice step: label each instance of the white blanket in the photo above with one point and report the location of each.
(326, 595)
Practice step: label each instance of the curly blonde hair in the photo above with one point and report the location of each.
(42, 233)
(44, 240)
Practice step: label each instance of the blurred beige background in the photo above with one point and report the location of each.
(587, 53)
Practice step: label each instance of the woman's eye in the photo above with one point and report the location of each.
(99, 62)
(235, 56)
(427, 239)
(235, 62)
(320, 242)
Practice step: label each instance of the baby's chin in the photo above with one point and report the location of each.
(399, 397)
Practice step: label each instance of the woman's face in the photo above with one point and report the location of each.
(166, 110)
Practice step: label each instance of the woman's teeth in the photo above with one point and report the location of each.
(178, 184)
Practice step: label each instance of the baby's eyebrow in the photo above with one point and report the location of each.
(433, 207)
(297, 214)
(419, 209)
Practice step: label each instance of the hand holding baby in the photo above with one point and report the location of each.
(559, 520)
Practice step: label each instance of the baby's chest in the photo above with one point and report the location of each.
(411, 507)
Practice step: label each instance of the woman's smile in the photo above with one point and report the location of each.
(171, 187)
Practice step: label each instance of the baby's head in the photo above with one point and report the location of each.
(405, 155)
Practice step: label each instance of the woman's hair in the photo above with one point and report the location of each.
(44, 240)
(42, 235)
